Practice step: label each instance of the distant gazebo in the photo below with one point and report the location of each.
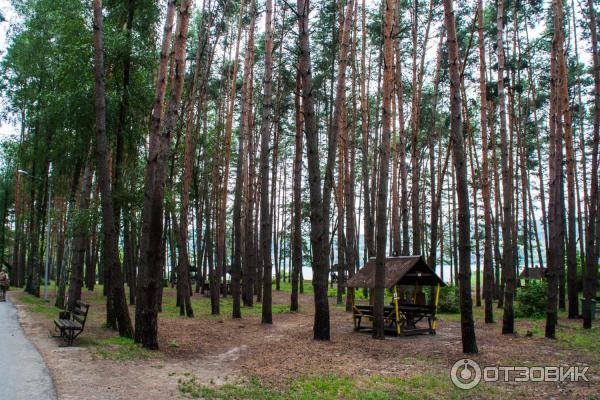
(534, 273)
(405, 277)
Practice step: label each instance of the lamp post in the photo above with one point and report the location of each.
(47, 263)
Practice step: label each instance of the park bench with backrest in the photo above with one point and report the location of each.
(71, 323)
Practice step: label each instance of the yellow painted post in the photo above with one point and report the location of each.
(396, 306)
(437, 301)
(353, 313)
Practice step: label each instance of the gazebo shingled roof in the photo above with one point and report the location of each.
(534, 273)
(404, 270)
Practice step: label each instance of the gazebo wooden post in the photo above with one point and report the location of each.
(353, 311)
(437, 301)
(396, 307)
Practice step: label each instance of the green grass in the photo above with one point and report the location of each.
(112, 348)
(579, 338)
(117, 348)
(568, 335)
(202, 308)
(287, 287)
(39, 306)
(331, 387)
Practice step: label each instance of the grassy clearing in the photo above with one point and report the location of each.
(202, 308)
(39, 306)
(569, 335)
(118, 349)
(330, 387)
(287, 287)
(112, 348)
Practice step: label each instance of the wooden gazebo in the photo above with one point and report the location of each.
(405, 277)
(533, 273)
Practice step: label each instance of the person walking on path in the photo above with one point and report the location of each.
(4, 284)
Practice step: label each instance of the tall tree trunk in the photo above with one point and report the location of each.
(80, 238)
(297, 201)
(591, 260)
(116, 301)
(151, 238)
(508, 270)
(62, 272)
(474, 185)
(242, 201)
(488, 274)
(555, 252)
(152, 258)
(91, 259)
(222, 206)
(265, 204)
(318, 232)
(189, 152)
(384, 164)
(350, 177)
(572, 290)
(433, 138)
(117, 183)
(130, 251)
(417, 81)
(459, 161)
(340, 130)
(399, 93)
(364, 113)
(19, 221)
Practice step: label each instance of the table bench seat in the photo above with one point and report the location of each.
(407, 318)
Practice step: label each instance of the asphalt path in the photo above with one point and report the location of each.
(23, 373)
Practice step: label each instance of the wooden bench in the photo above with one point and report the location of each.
(70, 324)
(411, 314)
(366, 311)
(408, 317)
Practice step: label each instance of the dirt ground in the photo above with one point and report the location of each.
(217, 351)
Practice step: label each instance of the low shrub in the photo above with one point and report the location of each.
(449, 302)
(532, 300)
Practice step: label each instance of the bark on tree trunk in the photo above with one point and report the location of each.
(116, 301)
(62, 272)
(459, 161)
(318, 234)
(555, 252)
(488, 274)
(591, 261)
(384, 164)
(508, 270)
(80, 238)
(265, 204)
(297, 202)
(364, 116)
(151, 254)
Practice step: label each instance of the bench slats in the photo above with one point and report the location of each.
(79, 319)
(78, 311)
(71, 328)
(67, 324)
(82, 304)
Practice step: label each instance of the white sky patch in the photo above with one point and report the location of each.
(7, 128)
